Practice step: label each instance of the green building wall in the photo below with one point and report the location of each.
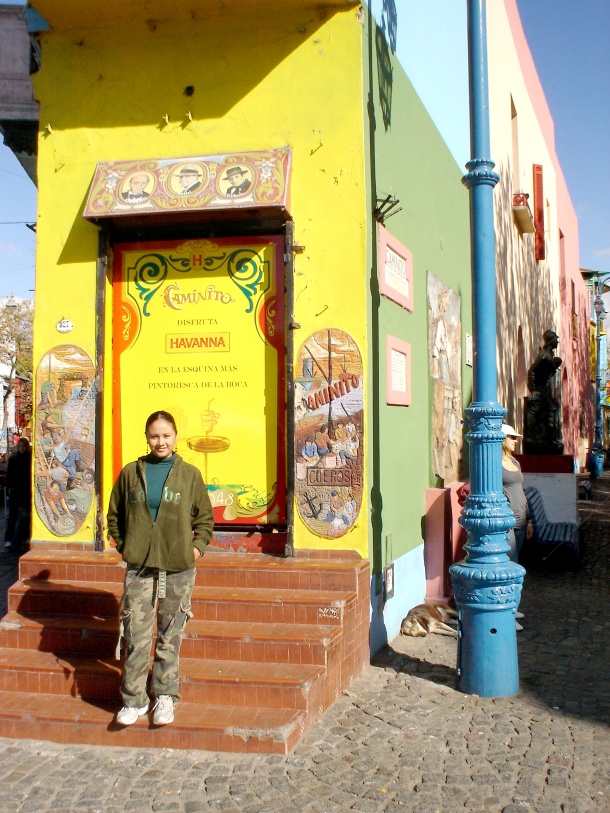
(409, 161)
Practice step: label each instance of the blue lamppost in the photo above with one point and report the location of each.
(487, 585)
(596, 462)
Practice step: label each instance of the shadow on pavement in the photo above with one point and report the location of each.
(9, 566)
(563, 648)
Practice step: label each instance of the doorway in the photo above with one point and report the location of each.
(199, 331)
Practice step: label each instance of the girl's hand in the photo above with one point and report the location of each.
(529, 531)
(196, 553)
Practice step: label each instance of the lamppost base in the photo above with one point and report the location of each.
(487, 597)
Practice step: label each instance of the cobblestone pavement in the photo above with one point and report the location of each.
(401, 739)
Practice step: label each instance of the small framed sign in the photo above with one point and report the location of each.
(395, 269)
(388, 582)
(398, 371)
(468, 350)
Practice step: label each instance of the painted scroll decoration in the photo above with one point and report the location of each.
(445, 355)
(329, 432)
(228, 181)
(64, 439)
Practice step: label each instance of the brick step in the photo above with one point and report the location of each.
(268, 685)
(72, 566)
(217, 568)
(226, 640)
(67, 719)
(267, 605)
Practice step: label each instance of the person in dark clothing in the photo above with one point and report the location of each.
(19, 482)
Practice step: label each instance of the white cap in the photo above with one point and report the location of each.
(510, 432)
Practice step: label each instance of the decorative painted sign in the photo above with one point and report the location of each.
(199, 332)
(398, 372)
(395, 269)
(64, 438)
(445, 353)
(329, 424)
(150, 186)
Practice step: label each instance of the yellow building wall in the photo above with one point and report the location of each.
(117, 92)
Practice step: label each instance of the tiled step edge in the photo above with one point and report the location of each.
(223, 640)
(269, 605)
(196, 726)
(219, 682)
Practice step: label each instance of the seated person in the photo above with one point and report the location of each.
(340, 432)
(59, 474)
(323, 441)
(53, 497)
(309, 452)
(349, 510)
(46, 443)
(350, 452)
(65, 454)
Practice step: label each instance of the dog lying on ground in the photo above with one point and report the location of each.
(428, 617)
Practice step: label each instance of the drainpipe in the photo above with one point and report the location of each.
(487, 585)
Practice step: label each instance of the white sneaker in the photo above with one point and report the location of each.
(128, 715)
(164, 710)
(519, 615)
(518, 626)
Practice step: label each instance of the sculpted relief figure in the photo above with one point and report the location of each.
(542, 420)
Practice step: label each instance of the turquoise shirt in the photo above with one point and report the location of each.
(157, 470)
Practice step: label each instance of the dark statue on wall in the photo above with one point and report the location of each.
(542, 416)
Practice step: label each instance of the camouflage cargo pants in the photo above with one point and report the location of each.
(143, 600)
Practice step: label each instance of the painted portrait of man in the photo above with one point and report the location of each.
(239, 183)
(136, 189)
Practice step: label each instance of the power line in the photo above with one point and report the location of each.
(16, 174)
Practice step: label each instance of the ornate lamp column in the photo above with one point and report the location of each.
(486, 583)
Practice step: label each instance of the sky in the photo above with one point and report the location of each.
(569, 43)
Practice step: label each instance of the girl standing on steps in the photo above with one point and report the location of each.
(160, 519)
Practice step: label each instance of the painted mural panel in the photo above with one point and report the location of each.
(199, 331)
(149, 186)
(65, 438)
(445, 353)
(329, 432)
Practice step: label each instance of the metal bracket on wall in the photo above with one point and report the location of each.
(386, 208)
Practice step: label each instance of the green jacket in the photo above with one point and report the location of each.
(185, 518)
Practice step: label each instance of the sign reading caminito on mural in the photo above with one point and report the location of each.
(199, 331)
(150, 186)
(329, 432)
